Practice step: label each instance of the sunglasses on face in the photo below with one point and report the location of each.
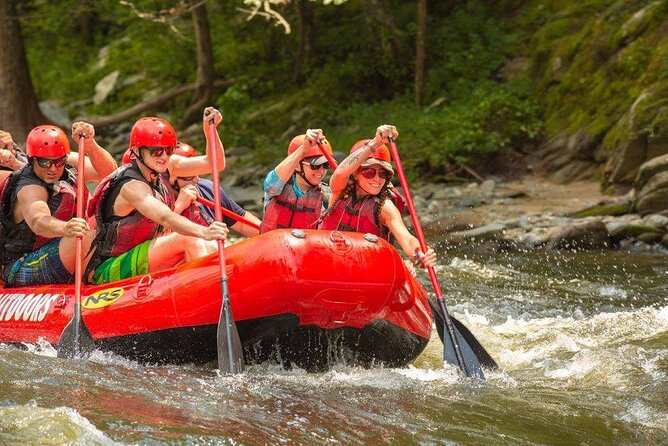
(321, 166)
(370, 172)
(190, 178)
(47, 163)
(156, 152)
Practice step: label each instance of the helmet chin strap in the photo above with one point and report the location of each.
(140, 158)
(301, 173)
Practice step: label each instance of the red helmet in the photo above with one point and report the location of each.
(310, 151)
(382, 152)
(128, 156)
(47, 141)
(184, 149)
(152, 132)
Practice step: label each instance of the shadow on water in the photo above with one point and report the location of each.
(581, 338)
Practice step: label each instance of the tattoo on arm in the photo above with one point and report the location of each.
(352, 159)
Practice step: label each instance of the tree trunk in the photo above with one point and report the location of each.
(420, 50)
(205, 74)
(19, 111)
(379, 12)
(305, 24)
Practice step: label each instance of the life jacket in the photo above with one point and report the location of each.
(17, 238)
(398, 200)
(195, 214)
(117, 235)
(285, 210)
(356, 215)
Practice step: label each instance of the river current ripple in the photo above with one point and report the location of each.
(581, 338)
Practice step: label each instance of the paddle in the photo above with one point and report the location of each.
(456, 349)
(228, 213)
(75, 340)
(485, 359)
(230, 352)
(330, 158)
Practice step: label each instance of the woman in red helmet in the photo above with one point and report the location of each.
(38, 207)
(361, 201)
(294, 194)
(134, 205)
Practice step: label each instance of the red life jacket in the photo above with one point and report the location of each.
(194, 214)
(117, 235)
(17, 238)
(398, 200)
(285, 210)
(355, 215)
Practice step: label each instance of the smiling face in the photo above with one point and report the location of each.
(49, 169)
(157, 158)
(314, 174)
(371, 179)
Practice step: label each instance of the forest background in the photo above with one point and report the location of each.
(573, 89)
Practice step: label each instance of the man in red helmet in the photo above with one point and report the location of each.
(13, 158)
(294, 194)
(38, 207)
(134, 205)
(361, 201)
(190, 187)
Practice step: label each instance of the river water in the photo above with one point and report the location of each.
(581, 338)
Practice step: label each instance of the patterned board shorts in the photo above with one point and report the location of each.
(40, 267)
(129, 264)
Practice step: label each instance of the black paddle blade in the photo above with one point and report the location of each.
(75, 341)
(471, 366)
(230, 352)
(468, 344)
(485, 359)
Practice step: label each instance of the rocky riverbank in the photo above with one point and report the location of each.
(535, 214)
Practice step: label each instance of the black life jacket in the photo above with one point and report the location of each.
(17, 238)
(117, 235)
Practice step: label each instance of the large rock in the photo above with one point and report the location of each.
(568, 157)
(630, 141)
(105, 86)
(653, 197)
(55, 113)
(649, 169)
(589, 235)
(461, 221)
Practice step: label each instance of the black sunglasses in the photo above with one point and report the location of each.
(190, 178)
(47, 163)
(156, 152)
(321, 166)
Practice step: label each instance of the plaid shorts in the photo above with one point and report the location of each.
(40, 267)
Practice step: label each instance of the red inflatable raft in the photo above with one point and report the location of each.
(311, 298)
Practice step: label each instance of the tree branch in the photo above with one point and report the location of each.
(103, 121)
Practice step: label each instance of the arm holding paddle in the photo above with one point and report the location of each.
(180, 166)
(8, 156)
(391, 218)
(286, 168)
(98, 163)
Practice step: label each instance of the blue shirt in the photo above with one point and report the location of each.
(205, 188)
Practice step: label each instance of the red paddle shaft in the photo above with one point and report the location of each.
(227, 213)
